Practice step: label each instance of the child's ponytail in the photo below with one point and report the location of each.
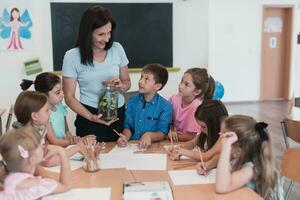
(26, 84)
(264, 169)
(210, 89)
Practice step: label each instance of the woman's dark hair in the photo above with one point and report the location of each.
(43, 83)
(93, 18)
(211, 112)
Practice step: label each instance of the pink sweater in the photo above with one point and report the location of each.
(183, 118)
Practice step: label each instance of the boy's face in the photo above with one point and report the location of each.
(147, 84)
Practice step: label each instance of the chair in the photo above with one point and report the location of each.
(290, 166)
(290, 129)
(127, 95)
(297, 102)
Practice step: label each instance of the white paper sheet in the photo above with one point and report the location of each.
(82, 193)
(73, 164)
(190, 177)
(134, 161)
(111, 161)
(147, 162)
(77, 156)
(129, 149)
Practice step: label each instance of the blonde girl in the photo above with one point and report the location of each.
(33, 110)
(22, 152)
(196, 85)
(246, 158)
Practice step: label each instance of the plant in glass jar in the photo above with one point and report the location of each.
(108, 104)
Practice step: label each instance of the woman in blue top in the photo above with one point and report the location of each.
(95, 62)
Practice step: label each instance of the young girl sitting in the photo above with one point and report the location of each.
(22, 151)
(209, 116)
(57, 130)
(246, 159)
(195, 86)
(32, 110)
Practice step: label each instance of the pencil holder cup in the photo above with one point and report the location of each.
(91, 165)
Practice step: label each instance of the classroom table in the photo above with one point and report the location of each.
(114, 178)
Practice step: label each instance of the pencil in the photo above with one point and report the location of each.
(117, 132)
(201, 158)
(9, 117)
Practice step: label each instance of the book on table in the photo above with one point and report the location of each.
(159, 190)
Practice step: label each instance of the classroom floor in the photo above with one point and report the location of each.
(271, 112)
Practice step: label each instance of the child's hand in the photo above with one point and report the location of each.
(51, 150)
(122, 141)
(173, 153)
(202, 168)
(173, 136)
(145, 141)
(229, 138)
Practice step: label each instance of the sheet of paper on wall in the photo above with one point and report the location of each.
(73, 164)
(82, 193)
(190, 177)
(147, 191)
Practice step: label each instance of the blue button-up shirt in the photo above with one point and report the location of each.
(142, 116)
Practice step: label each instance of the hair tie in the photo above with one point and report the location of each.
(17, 125)
(260, 128)
(23, 152)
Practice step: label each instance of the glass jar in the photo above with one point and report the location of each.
(91, 164)
(108, 104)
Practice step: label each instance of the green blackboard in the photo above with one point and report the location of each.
(145, 30)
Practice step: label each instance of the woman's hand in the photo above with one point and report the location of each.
(116, 84)
(97, 119)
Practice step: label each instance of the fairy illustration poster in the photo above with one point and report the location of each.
(15, 28)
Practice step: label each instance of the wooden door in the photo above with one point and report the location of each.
(276, 49)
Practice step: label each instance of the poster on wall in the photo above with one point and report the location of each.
(15, 26)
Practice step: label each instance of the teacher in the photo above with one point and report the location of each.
(95, 62)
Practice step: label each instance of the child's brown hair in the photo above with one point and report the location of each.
(211, 112)
(26, 103)
(159, 72)
(202, 81)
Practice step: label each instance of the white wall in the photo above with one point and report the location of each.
(224, 35)
(234, 52)
(190, 25)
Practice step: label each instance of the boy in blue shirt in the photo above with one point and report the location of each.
(148, 115)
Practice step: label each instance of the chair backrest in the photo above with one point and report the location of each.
(290, 165)
(290, 129)
(127, 95)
